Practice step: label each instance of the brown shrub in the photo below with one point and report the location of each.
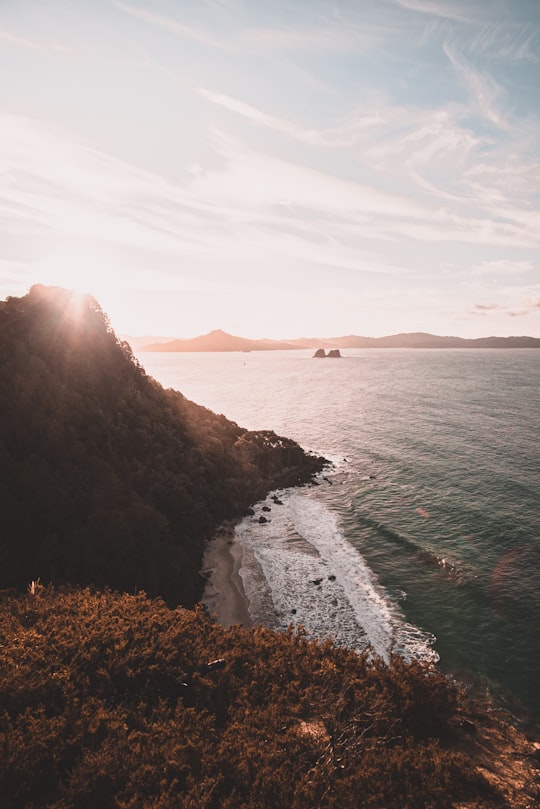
(111, 700)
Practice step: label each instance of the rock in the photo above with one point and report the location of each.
(316, 581)
(331, 577)
(334, 352)
(214, 665)
(251, 512)
(262, 519)
(266, 508)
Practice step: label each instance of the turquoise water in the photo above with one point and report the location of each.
(436, 487)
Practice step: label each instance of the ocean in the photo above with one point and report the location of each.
(424, 536)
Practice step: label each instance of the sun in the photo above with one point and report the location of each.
(84, 272)
(80, 271)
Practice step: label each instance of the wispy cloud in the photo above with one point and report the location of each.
(24, 42)
(13, 39)
(459, 10)
(171, 24)
(484, 308)
(514, 306)
(485, 92)
(509, 41)
(502, 267)
(342, 136)
(295, 39)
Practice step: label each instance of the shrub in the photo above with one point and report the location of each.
(116, 700)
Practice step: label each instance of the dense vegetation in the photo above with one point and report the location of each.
(111, 700)
(106, 478)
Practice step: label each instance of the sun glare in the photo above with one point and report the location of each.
(83, 272)
(76, 270)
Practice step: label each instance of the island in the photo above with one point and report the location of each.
(321, 353)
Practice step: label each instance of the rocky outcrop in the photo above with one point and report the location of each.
(320, 353)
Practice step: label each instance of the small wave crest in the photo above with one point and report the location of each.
(456, 572)
(315, 577)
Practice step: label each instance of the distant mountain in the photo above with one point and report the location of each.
(137, 342)
(221, 341)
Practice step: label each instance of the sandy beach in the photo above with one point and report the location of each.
(224, 593)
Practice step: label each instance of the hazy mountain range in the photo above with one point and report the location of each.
(219, 340)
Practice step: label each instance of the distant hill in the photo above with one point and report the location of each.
(106, 478)
(137, 342)
(221, 341)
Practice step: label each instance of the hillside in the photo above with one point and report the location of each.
(221, 341)
(107, 478)
(111, 700)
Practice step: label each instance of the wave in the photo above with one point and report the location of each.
(301, 563)
(453, 570)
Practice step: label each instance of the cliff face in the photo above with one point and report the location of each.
(107, 478)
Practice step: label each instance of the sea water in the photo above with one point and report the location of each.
(424, 537)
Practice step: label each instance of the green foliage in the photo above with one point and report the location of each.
(106, 478)
(109, 700)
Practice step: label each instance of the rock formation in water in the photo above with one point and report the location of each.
(321, 353)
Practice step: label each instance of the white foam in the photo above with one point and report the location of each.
(302, 564)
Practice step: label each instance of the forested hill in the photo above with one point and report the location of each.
(107, 478)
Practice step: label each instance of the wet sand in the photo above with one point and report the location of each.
(224, 592)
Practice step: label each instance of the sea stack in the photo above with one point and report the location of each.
(334, 352)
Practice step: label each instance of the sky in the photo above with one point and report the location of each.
(275, 168)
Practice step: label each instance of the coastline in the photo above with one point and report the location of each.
(224, 595)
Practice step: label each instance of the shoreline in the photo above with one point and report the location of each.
(223, 594)
(225, 599)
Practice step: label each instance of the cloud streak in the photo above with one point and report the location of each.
(508, 42)
(23, 42)
(170, 24)
(463, 11)
(485, 93)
